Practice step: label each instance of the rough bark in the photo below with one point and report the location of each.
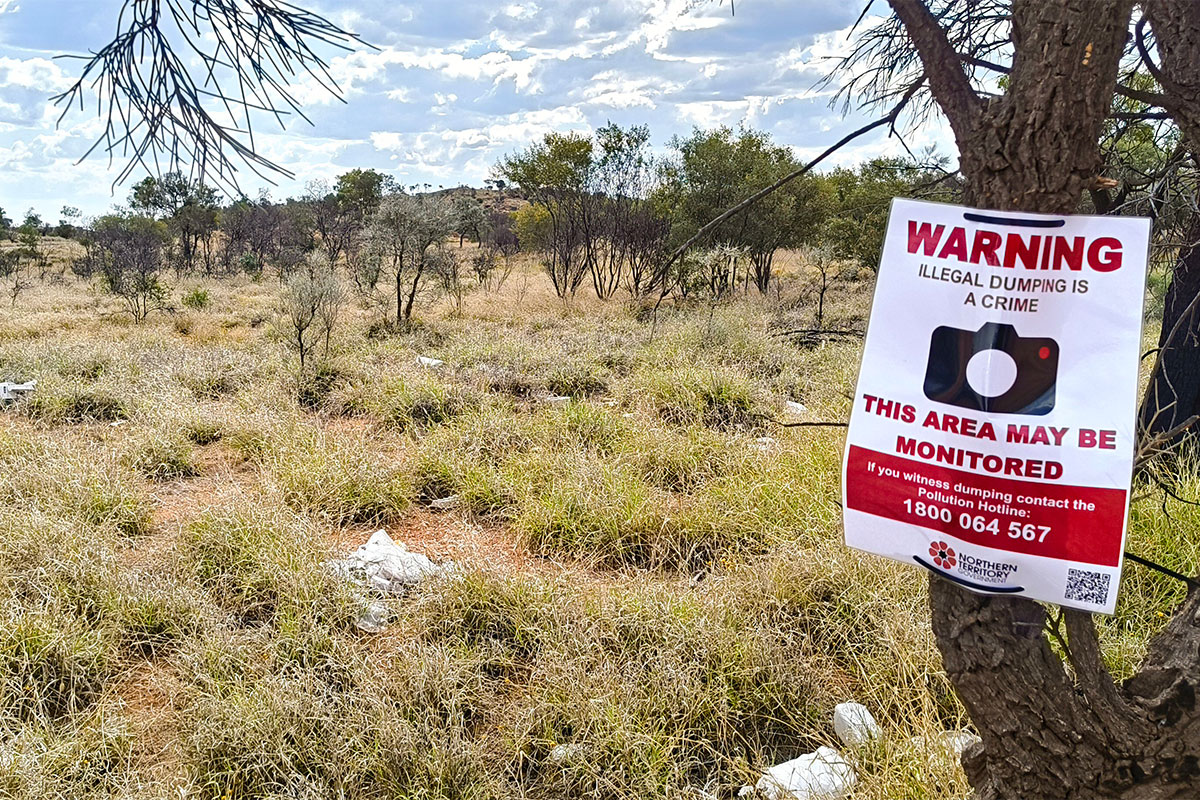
(1053, 730)
(1173, 395)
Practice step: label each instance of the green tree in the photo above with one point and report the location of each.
(470, 218)
(361, 190)
(130, 251)
(861, 199)
(553, 174)
(713, 170)
(400, 251)
(29, 250)
(188, 207)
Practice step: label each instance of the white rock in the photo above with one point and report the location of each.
(430, 363)
(565, 752)
(823, 775)
(386, 567)
(556, 399)
(796, 408)
(445, 503)
(854, 725)
(10, 391)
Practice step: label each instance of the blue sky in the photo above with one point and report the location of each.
(457, 84)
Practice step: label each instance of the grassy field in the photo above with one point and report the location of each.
(650, 571)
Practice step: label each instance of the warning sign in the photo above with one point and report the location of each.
(992, 434)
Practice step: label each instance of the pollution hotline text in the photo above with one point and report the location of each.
(1005, 502)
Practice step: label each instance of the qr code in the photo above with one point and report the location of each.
(1087, 587)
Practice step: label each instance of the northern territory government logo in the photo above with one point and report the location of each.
(976, 573)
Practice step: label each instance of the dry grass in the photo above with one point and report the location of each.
(651, 570)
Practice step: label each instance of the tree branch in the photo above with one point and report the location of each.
(949, 83)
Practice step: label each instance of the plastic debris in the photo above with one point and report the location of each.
(854, 725)
(12, 391)
(565, 752)
(373, 618)
(445, 503)
(946, 743)
(430, 363)
(823, 775)
(765, 443)
(796, 408)
(387, 567)
(556, 399)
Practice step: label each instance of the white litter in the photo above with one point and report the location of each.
(764, 443)
(445, 503)
(796, 408)
(823, 775)
(854, 725)
(373, 618)
(387, 567)
(430, 363)
(117, 423)
(565, 752)
(11, 391)
(945, 743)
(555, 399)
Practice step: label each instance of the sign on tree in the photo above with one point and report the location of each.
(992, 436)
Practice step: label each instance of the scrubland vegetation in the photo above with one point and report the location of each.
(649, 572)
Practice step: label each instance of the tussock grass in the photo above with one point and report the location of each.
(683, 613)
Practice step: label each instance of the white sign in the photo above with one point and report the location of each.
(992, 436)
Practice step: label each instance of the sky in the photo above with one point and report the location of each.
(457, 84)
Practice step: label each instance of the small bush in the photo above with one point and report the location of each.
(197, 300)
(709, 398)
(203, 431)
(51, 665)
(344, 480)
(164, 458)
(76, 406)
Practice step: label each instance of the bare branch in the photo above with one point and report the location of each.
(159, 117)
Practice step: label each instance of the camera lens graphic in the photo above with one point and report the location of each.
(991, 373)
(992, 369)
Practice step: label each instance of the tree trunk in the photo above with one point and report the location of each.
(1173, 395)
(1049, 733)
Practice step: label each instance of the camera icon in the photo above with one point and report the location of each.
(992, 369)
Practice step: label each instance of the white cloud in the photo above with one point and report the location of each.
(455, 86)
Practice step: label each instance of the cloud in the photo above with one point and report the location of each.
(454, 87)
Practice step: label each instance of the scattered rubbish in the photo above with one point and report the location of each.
(117, 423)
(765, 443)
(854, 725)
(823, 775)
(445, 503)
(12, 391)
(946, 743)
(565, 752)
(628, 415)
(796, 408)
(430, 363)
(556, 399)
(373, 618)
(387, 567)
